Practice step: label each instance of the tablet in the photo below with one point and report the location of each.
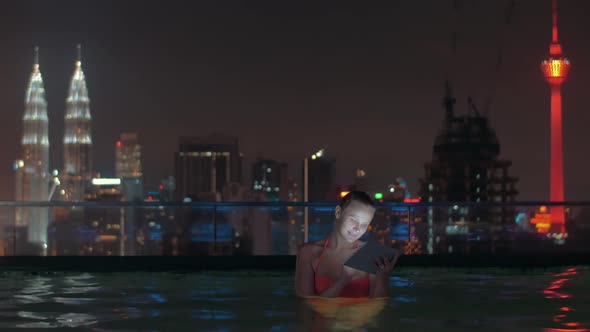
(364, 258)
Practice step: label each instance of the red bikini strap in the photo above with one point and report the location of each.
(322, 254)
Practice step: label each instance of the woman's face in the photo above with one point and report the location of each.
(352, 222)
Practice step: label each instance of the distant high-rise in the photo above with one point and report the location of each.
(32, 169)
(128, 156)
(320, 184)
(77, 171)
(204, 165)
(361, 180)
(128, 166)
(128, 169)
(465, 167)
(270, 177)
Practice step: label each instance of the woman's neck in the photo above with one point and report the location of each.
(338, 242)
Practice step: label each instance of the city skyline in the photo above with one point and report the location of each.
(276, 91)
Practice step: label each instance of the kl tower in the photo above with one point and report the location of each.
(555, 69)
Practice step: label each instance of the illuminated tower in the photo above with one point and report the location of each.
(77, 171)
(555, 69)
(32, 169)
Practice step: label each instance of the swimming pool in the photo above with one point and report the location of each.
(432, 299)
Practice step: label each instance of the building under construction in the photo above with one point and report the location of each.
(465, 167)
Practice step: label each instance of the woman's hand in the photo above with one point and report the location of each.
(379, 283)
(384, 266)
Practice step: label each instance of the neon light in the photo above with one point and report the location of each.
(106, 182)
(107, 238)
(378, 195)
(412, 199)
(344, 193)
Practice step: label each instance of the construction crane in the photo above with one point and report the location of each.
(506, 22)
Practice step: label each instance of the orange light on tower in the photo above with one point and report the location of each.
(555, 69)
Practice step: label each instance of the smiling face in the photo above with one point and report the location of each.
(352, 221)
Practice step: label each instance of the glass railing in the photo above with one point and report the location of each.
(261, 228)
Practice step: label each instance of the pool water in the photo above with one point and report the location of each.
(422, 300)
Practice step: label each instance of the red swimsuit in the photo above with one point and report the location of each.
(355, 288)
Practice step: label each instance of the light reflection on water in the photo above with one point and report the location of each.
(422, 300)
(566, 318)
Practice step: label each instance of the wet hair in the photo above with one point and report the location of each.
(359, 196)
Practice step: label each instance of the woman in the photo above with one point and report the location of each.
(320, 269)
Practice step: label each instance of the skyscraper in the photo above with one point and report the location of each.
(361, 180)
(320, 177)
(204, 165)
(128, 166)
(465, 165)
(128, 169)
(32, 170)
(77, 171)
(128, 156)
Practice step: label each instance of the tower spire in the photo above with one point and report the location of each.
(79, 59)
(554, 12)
(36, 58)
(554, 47)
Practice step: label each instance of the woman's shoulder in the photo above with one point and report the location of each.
(311, 248)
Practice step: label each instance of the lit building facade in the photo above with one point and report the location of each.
(205, 165)
(128, 156)
(77, 170)
(270, 178)
(128, 166)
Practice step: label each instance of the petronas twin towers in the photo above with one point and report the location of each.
(32, 169)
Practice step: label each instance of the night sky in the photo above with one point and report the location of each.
(364, 79)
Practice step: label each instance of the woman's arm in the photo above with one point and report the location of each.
(304, 272)
(378, 286)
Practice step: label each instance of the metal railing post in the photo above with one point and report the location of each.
(305, 199)
(409, 224)
(215, 229)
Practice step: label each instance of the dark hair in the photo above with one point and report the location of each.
(359, 196)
